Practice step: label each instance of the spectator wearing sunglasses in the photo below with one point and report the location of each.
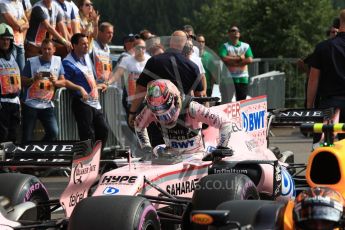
(188, 29)
(207, 60)
(128, 46)
(89, 18)
(236, 56)
(132, 66)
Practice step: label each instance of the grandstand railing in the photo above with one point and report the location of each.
(112, 110)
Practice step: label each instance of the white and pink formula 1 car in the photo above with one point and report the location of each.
(161, 193)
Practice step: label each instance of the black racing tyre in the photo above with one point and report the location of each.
(21, 188)
(215, 189)
(114, 212)
(260, 214)
(218, 188)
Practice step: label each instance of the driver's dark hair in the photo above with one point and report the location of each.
(76, 37)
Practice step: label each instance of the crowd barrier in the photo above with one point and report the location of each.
(271, 84)
(112, 110)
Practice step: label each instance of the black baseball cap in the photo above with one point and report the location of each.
(130, 38)
(336, 23)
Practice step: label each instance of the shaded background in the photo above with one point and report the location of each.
(273, 28)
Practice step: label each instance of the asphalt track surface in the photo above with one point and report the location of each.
(286, 138)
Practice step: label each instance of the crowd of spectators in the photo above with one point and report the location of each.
(61, 43)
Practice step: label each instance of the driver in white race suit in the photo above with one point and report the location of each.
(180, 121)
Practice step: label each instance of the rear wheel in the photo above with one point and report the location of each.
(21, 188)
(215, 189)
(218, 188)
(114, 212)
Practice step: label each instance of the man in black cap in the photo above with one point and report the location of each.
(128, 46)
(10, 85)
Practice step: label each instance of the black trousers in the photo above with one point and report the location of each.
(90, 121)
(241, 91)
(9, 121)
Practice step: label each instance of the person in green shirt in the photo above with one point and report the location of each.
(236, 55)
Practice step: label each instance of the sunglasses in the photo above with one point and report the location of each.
(140, 47)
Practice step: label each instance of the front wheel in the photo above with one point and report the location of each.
(114, 212)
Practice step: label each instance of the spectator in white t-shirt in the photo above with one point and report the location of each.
(133, 65)
(188, 51)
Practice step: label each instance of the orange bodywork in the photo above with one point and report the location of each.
(288, 216)
(338, 150)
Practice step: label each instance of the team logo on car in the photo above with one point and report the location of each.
(110, 190)
(253, 121)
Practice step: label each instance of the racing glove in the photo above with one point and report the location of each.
(224, 151)
(147, 153)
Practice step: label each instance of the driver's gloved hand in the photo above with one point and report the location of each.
(226, 151)
(147, 153)
(221, 147)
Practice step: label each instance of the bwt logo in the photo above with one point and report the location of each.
(182, 144)
(253, 121)
(110, 190)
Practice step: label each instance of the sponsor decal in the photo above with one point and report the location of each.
(182, 144)
(141, 136)
(44, 148)
(301, 114)
(235, 127)
(251, 144)
(233, 110)
(242, 171)
(277, 183)
(210, 149)
(81, 170)
(110, 190)
(31, 190)
(75, 198)
(206, 113)
(288, 186)
(181, 187)
(123, 180)
(253, 121)
(202, 219)
(38, 160)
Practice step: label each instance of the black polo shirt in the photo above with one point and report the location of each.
(172, 65)
(329, 58)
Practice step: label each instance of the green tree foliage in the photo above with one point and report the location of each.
(161, 17)
(288, 28)
(213, 19)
